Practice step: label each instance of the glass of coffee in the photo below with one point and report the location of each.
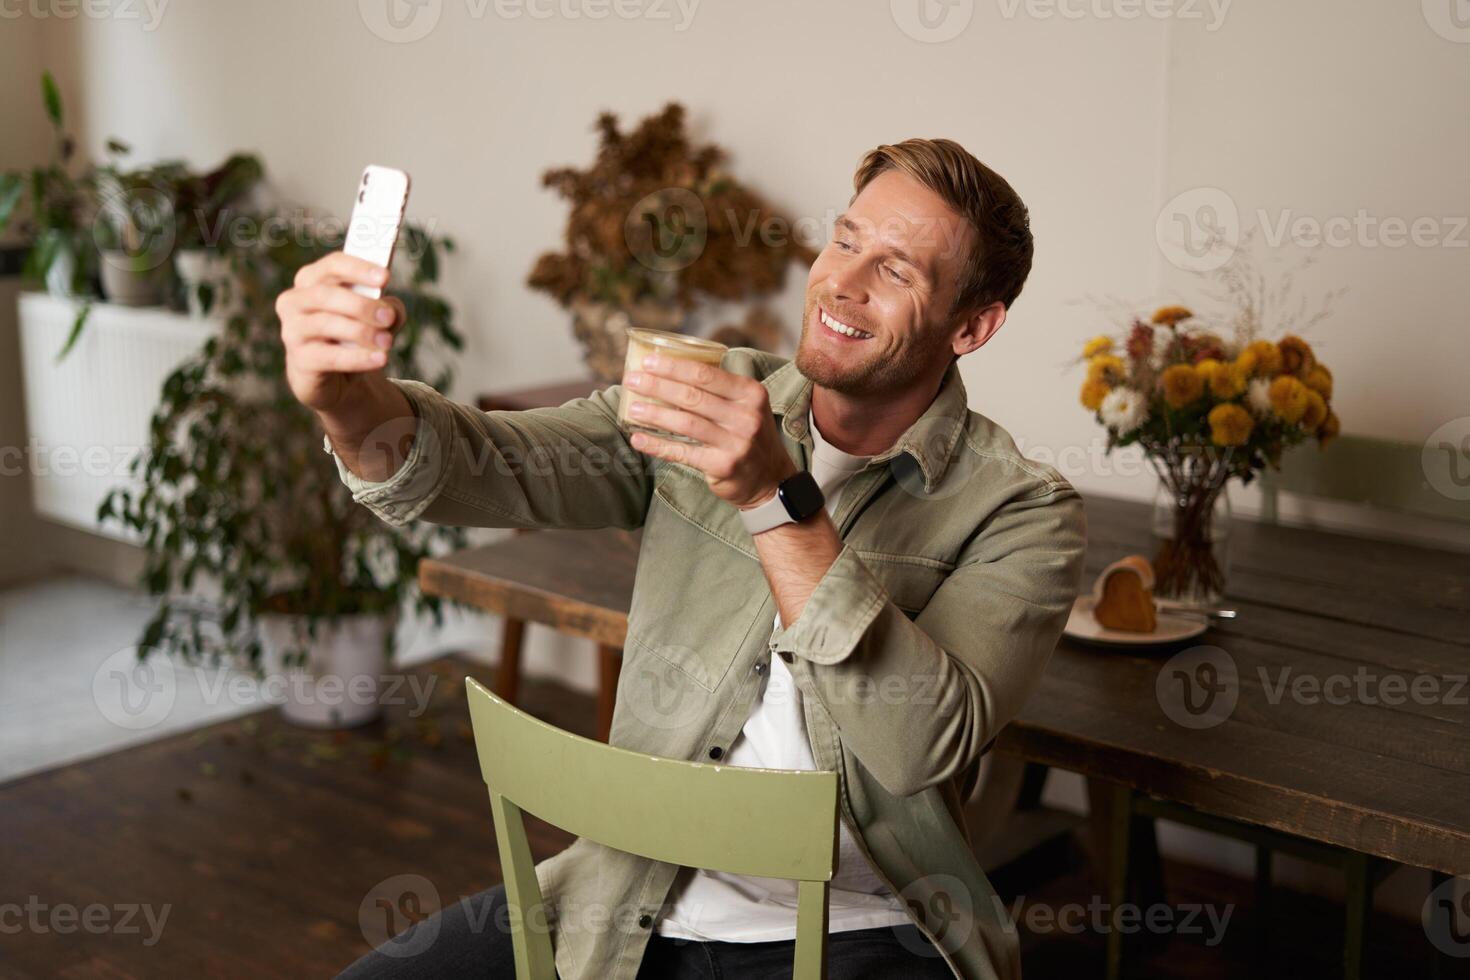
(679, 346)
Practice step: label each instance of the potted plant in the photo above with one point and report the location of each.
(206, 208)
(656, 227)
(136, 227)
(254, 548)
(62, 256)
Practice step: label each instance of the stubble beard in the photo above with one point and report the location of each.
(874, 376)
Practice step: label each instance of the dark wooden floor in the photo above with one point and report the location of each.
(279, 852)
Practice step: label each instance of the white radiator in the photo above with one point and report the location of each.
(87, 415)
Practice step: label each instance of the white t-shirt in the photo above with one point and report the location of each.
(714, 905)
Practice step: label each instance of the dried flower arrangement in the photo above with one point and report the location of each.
(657, 226)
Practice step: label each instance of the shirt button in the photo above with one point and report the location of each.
(715, 752)
(645, 920)
(760, 668)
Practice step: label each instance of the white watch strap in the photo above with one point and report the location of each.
(766, 515)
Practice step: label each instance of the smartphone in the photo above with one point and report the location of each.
(382, 196)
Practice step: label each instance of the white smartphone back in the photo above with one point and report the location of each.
(382, 196)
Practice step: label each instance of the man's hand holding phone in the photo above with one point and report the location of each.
(337, 342)
(332, 334)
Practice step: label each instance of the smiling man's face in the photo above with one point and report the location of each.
(880, 296)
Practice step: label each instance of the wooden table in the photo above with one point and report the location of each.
(1388, 780)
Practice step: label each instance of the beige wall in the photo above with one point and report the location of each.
(1312, 115)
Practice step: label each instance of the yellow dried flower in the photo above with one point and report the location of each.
(1316, 412)
(1230, 425)
(1101, 344)
(1107, 368)
(1094, 390)
(1261, 359)
(1182, 384)
(1319, 379)
(1227, 381)
(1207, 368)
(1329, 429)
(1170, 315)
(1289, 398)
(1296, 356)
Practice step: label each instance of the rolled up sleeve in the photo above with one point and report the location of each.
(917, 700)
(570, 466)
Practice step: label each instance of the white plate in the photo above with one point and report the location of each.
(1173, 627)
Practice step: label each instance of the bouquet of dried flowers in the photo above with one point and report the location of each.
(657, 226)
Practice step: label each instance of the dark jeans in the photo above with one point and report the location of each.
(470, 938)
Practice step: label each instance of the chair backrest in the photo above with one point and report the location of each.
(766, 822)
(1400, 476)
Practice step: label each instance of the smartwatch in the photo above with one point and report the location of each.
(797, 498)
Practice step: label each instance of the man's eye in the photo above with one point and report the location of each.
(898, 277)
(845, 246)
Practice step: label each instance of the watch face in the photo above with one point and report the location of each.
(801, 496)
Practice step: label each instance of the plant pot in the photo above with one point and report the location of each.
(602, 329)
(338, 685)
(133, 280)
(211, 287)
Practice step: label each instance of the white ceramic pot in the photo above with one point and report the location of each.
(338, 687)
(199, 267)
(130, 280)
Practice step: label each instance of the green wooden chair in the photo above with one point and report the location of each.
(688, 813)
(1397, 477)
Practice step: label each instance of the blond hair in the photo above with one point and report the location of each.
(997, 267)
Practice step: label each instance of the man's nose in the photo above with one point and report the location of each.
(850, 283)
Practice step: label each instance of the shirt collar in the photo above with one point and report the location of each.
(930, 442)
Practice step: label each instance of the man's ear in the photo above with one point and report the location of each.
(972, 332)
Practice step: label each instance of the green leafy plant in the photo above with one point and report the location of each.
(58, 223)
(240, 511)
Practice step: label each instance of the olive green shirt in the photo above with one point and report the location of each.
(960, 561)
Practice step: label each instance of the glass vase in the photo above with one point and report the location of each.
(1191, 529)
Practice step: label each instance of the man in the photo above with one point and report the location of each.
(845, 569)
